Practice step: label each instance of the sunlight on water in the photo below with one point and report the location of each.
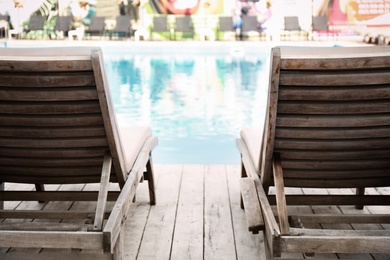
(195, 103)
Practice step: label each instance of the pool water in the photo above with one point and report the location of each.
(195, 101)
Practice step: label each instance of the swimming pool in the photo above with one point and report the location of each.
(195, 98)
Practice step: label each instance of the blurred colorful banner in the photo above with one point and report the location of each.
(188, 7)
(344, 14)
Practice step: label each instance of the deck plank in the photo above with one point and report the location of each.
(197, 216)
(248, 246)
(157, 239)
(219, 240)
(188, 234)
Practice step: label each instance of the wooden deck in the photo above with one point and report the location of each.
(197, 216)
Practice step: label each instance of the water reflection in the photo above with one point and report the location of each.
(196, 105)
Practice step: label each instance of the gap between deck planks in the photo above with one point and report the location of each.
(197, 216)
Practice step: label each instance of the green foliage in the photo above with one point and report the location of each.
(46, 7)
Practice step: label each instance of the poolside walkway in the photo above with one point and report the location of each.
(197, 216)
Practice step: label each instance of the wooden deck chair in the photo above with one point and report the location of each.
(58, 126)
(327, 125)
(160, 25)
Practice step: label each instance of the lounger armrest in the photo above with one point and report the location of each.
(121, 208)
(253, 213)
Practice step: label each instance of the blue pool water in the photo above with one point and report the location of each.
(195, 99)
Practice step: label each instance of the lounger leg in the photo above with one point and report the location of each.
(2, 189)
(243, 175)
(118, 249)
(150, 179)
(40, 187)
(359, 191)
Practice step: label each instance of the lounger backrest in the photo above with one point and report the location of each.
(98, 24)
(36, 22)
(63, 23)
(225, 24)
(56, 117)
(160, 23)
(123, 24)
(291, 23)
(320, 23)
(249, 23)
(184, 24)
(329, 116)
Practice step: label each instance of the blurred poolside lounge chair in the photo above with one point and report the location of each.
(250, 24)
(291, 27)
(183, 25)
(320, 27)
(36, 23)
(160, 25)
(58, 126)
(327, 126)
(96, 27)
(5, 27)
(225, 24)
(63, 26)
(122, 27)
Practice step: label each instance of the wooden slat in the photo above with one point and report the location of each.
(337, 165)
(46, 65)
(219, 238)
(312, 144)
(189, 223)
(82, 240)
(335, 244)
(348, 218)
(333, 63)
(52, 94)
(44, 226)
(338, 183)
(50, 153)
(52, 132)
(108, 115)
(334, 78)
(333, 120)
(334, 93)
(339, 108)
(336, 173)
(333, 133)
(50, 171)
(333, 199)
(58, 120)
(54, 142)
(332, 154)
(54, 196)
(47, 80)
(53, 107)
(50, 162)
(50, 255)
(280, 196)
(103, 192)
(31, 214)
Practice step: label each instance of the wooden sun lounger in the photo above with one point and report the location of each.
(58, 126)
(327, 125)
